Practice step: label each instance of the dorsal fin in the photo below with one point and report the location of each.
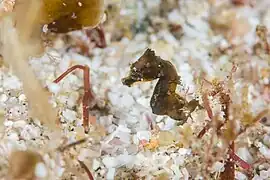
(149, 53)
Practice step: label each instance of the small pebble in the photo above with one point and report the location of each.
(109, 162)
(54, 88)
(8, 123)
(96, 164)
(126, 101)
(110, 174)
(264, 174)
(69, 115)
(3, 98)
(218, 167)
(19, 124)
(41, 170)
(240, 176)
(143, 135)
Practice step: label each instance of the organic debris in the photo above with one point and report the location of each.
(17, 47)
(24, 164)
(62, 16)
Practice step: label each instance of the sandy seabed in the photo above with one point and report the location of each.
(218, 48)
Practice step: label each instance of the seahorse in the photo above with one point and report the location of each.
(164, 101)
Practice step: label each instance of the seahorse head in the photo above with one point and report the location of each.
(146, 68)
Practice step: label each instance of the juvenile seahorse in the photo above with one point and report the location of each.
(164, 101)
